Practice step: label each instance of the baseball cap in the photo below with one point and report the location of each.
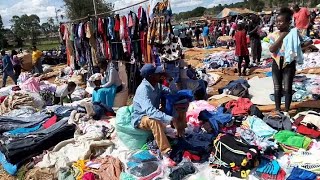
(149, 69)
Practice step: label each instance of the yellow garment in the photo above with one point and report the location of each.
(80, 165)
(35, 56)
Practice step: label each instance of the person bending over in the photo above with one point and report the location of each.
(146, 114)
(283, 70)
(64, 91)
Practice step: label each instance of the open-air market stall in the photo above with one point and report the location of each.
(233, 135)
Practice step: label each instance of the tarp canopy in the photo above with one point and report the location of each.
(233, 12)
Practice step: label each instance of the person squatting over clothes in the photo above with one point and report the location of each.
(284, 43)
(146, 113)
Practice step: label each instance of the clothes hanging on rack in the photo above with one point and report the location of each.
(130, 38)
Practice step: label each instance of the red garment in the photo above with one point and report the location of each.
(2, 98)
(298, 120)
(191, 156)
(308, 131)
(51, 121)
(241, 43)
(165, 83)
(88, 176)
(239, 107)
(102, 33)
(317, 41)
(117, 24)
(280, 176)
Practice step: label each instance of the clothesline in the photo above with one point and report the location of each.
(108, 12)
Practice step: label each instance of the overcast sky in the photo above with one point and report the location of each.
(46, 8)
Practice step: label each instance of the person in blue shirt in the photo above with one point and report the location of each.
(146, 114)
(7, 69)
(205, 35)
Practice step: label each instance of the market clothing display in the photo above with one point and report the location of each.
(278, 121)
(292, 139)
(235, 156)
(239, 107)
(22, 149)
(15, 101)
(259, 127)
(218, 60)
(195, 108)
(224, 138)
(215, 118)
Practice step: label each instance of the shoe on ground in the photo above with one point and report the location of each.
(168, 162)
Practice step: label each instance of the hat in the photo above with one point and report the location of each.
(149, 69)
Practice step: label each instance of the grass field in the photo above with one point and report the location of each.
(41, 45)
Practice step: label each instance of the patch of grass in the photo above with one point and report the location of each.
(43, 47)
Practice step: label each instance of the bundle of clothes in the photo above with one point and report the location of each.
(219, 60)
(26, 134)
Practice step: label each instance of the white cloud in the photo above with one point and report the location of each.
(41, 8)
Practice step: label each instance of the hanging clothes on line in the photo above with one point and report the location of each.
(127, 38)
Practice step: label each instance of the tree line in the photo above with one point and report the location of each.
(29, 27)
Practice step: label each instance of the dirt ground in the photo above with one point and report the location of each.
(192, 56)
(196, 55)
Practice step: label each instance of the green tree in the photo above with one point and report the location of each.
(79, 9)
(1, 34)
(26, 27)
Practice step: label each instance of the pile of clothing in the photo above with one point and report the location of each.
(26, 134)
(308, 123)
(306, 88)
(219, 60)
(311, 60)
(239, 88)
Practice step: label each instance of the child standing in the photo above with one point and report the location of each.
(242, 51)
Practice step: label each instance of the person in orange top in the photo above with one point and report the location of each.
(242, 51)
(302, 19)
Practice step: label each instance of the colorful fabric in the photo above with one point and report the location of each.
(290, 138)
(105, 95)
